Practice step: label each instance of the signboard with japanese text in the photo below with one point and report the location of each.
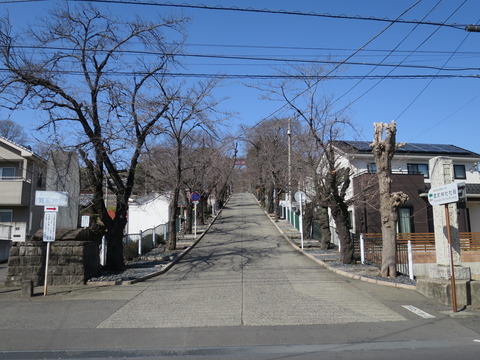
(49, 225)
(51, 198)
(85, 221)
(442, 195)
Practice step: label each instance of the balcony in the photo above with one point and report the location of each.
(15, 192)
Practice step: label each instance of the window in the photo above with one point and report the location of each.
(414, 169)
(372, 168)
(459, 171)
(6, 216)
(7, 173)
(404, 224)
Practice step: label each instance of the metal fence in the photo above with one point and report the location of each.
(148, 239)
(290, 216)
(370, 250)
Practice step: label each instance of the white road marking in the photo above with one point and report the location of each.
(418, 312)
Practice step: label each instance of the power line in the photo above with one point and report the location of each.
(385, 58)
(266, 76)
(431, 80)
(261, 58)
(336, 67)
(278, 12)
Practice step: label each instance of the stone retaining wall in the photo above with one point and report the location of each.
(71, 262)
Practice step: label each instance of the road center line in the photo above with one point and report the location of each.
(418, 312)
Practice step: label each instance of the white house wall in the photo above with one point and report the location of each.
(474, 211)
(148, 215)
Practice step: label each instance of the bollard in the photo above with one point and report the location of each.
(27, 288)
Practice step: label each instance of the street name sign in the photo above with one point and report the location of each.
(51, 198)
(442, 195)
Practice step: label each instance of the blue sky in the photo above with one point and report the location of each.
(426, 110)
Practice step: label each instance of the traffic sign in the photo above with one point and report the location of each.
(300, 197)
(51, 208)
(195, 196)
(442, 195)
(48, 198)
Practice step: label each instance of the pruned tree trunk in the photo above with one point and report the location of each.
(174, 212)
(383, 151)
(115, 247)
(324, 228)
(340, 216)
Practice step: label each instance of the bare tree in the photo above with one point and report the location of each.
(311, 157)
(330, 179)
(13, 132)
(268, 159)
(101, 99)
(383, 151)
(205, 168)
(191, 109)
(209, 170)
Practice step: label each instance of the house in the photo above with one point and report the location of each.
(410, 174)
(21, 174)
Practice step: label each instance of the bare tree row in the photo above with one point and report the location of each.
(99, 99)
(315, 166)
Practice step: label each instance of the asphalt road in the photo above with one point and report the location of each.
(242, 293)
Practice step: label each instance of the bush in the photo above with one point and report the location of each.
(130, 250)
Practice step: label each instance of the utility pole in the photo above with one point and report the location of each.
(289, 134)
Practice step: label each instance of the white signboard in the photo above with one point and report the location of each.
(48, 198)
(442, 195)
(85, 221)
(49, 225)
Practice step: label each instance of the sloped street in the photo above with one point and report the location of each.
(242, 292)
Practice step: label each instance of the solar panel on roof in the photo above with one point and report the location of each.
(432, 148)
(360, 145)
(364, 146)
(452, 149)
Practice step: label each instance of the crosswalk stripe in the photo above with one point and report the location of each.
(418, 312)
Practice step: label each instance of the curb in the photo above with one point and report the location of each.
(165, 268)
(335, 270)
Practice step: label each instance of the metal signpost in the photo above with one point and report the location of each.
(49, 227)
(300, 197)
(195, 197)
(51, 200)
(444, 195)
